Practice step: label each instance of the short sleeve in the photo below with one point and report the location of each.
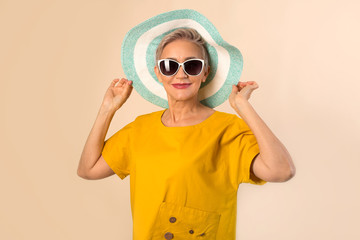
(243, 149)
(116, 151)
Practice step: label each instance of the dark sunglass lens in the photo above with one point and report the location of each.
(168, 67)
(193, 67)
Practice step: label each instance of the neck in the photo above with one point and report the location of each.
(181, 110)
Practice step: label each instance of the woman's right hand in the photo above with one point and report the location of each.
(116, 96)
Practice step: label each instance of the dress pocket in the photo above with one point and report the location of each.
(184, 223)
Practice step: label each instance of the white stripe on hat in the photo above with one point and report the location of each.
(157, 89)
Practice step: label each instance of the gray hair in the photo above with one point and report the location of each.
(189, 34)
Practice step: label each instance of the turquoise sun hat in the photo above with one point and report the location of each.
(138, 52)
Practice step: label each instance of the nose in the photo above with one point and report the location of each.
(181, 73)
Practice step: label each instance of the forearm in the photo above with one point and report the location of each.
(95, 141)
(273, 153)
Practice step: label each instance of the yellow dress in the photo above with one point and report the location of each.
(183, 180)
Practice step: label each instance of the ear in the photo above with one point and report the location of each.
(157, 72)
(206, 73)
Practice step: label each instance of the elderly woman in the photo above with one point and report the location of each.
(185, 162)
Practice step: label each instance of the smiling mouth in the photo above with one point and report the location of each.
(181, 85)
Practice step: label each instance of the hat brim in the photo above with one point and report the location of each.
(138, 57)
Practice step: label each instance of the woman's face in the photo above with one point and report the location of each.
(181, 50)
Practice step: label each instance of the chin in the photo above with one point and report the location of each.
(182, 97)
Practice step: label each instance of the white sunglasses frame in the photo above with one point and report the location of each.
(182, 64)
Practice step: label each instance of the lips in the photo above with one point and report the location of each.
(181, 85)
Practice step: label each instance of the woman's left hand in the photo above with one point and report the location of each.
(241, 92)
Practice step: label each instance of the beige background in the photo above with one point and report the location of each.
(58, 58)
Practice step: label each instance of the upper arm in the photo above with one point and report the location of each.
(100, 170)
(260, 170)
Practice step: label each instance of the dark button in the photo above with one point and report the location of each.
(191, 231)
(172, 219)
(169, 235)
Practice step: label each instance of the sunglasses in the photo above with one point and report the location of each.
(169, 67)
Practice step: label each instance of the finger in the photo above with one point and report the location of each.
(114, 82)
(128, 85)
(234, 89)
(128, 90)
(255, 85)
(121, 83)
(249, 89)
(243, 84)
(123, 80)
(239, 86)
